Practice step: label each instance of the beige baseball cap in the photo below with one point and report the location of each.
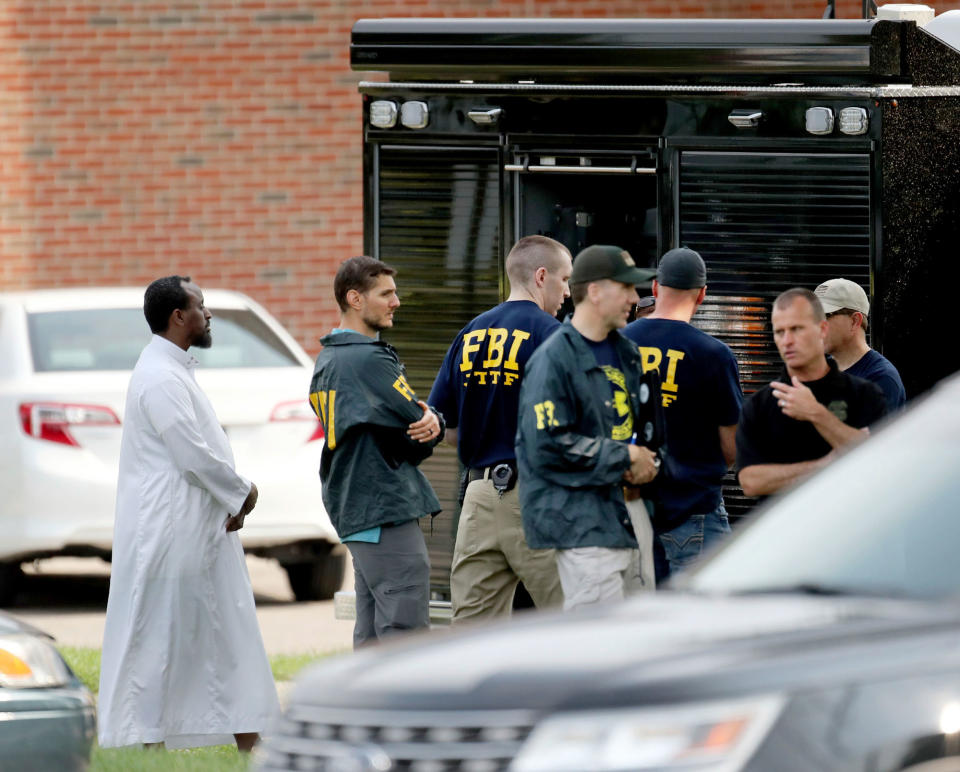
(837, 294)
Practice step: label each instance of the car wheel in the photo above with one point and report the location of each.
(318, 579)
(10, 575)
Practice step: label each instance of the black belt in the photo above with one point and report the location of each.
(503, 474)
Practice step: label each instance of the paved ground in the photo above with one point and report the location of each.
(67, 597)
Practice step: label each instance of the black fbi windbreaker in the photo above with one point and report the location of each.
(369, 464)
(570, 469)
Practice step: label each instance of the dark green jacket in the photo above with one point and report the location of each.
(570, 469)
(369, 464)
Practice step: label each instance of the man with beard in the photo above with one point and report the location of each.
(377, 432)
(183, 662)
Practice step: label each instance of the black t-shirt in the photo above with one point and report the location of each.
(700, 388)
(478, 386)
(766, 436)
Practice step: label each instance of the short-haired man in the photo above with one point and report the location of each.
(847, 308)
(792, 427)
(478, 392)
(377, 432)
(701, 392)
(590, 421)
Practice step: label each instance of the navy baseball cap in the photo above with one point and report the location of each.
(682, 268)
(602, 261)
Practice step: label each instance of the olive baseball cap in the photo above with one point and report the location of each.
(602, 261)
(837, 294)
(682, 268)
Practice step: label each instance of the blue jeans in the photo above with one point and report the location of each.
(685, 543)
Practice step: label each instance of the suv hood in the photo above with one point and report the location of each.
(670, 644)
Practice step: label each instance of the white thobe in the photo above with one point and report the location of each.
(183, 660)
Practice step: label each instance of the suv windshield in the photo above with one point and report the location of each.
(884, 520)
(112, 339)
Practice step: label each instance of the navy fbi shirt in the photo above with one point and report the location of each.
(478, 386)
(619, 405)
(700, 388)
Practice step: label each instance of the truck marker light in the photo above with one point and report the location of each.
(414, 115)
(853, 120)
(745, 119)
(485, 117)
(383, 114)
(820, 120)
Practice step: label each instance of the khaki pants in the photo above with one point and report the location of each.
(491, 555)
(591, 575)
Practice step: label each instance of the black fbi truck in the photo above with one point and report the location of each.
(786, 152)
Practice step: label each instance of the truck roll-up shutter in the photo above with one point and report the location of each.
(765, 222)
(439, 226)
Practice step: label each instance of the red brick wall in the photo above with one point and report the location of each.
(218, 138)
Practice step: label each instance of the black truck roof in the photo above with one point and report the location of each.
(808, 51)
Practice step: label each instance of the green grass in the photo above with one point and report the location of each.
(286, 666)
(217, 758)
(86, 664)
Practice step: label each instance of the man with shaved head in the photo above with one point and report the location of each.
(477, 390)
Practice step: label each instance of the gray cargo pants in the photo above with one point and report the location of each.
(392, 583)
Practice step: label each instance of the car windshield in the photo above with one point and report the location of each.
(883, 520)
(112, 339)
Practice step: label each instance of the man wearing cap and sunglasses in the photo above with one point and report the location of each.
(846, 306)
(701, 400)
(590, 421)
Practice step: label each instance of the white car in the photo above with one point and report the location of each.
(65, 362)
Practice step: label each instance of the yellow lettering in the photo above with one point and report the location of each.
(551, 418)
(481, 376)
(471, 345)
(494, 376)
(330, 432)
(403, 387)
(651, 357)
(667, 399)
(322, 401)
(538, 409)
(670, 382)
(498, 336)
(509, 378)
(546, 414)
(519, 336)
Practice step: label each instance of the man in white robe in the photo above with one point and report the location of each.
(183, 660)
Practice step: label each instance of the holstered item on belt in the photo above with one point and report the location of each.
(503, 475)
(464, 482)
